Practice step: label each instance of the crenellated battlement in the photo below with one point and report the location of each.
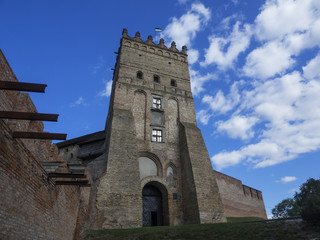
(249, 201)
(150, 46)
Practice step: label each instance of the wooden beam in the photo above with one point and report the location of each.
(79, 183)
(40, 135)
(66, 175)
(22, 86)
(29, 116)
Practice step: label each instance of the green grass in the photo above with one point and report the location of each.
(239, 231)
(243, 219)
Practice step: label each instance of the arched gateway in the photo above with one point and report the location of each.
(155, 206)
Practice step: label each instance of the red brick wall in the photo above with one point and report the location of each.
(239, 200)
(31, 205)
(21, 102)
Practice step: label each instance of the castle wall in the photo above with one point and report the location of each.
(239, 200)
(201, 181)
(133, 96)
(19, 101)
(133, 119)
(119, 196)
(31, 205)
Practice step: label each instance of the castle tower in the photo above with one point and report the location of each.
(158, 168)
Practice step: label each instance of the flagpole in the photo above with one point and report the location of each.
(157, 30)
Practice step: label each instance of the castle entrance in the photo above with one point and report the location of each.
(152, 206)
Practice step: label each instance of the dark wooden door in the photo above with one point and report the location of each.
(152, 206)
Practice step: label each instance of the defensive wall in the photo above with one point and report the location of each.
(31, 205)
(239, 200)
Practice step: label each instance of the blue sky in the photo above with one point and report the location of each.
(253, 66)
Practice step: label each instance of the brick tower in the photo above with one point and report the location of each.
(158, 169)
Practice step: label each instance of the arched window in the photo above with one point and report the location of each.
(147, 167)
(173, 83)
(156, 78)
(139, 75)
(171, 175)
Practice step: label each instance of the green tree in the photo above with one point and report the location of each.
(305, 203)
(308, 199)
(286, 208)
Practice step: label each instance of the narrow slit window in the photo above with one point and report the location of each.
(139, 75)
(156, 79)
(156, 135)
(173, 83)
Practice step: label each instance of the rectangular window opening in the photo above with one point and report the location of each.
(156, 103)
(156, 135)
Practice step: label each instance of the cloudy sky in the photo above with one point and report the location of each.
(254, 68)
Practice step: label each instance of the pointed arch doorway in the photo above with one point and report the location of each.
(155, 205)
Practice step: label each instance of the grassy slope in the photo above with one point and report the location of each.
(239, 231)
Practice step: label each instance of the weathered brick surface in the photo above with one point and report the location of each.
(132, 118)
(31, 205)
(179, 166)
(119, 196)
(240, 200)
(199, 177)
(21, 102)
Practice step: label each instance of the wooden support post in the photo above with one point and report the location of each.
(22, 86)
(40, 135)
(77, 183)
(66, 175)
(29, 116)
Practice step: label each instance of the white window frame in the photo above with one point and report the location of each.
(156, 102)
(157, 135)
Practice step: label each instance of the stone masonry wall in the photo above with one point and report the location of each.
(119, 198)
(133, 96)
(204, 182)
(133, 120)
(239, 200)
(21, 102)
(31, 205)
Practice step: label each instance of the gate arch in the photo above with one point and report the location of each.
(154, 205)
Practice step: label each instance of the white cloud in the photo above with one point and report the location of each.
(183, 1)
(278, 112)
(238, 127)
(281, 17)
(184, 29)
(201, 9)
(224, 51)
(226, 159)
(198, 80)
(283, 37)
(78, 102)
(221, 103)
(203, 116)
(312, 69)
(107, 91)
(268, 60)
(289, 109)
(287, 179)
(235, 2)
(227, 21)
(193, 56)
